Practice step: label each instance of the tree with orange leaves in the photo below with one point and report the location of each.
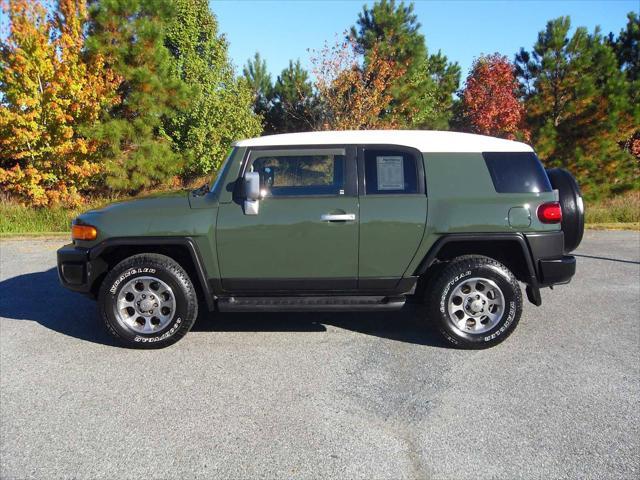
(490, 99)
(353, 92)
(48, 90)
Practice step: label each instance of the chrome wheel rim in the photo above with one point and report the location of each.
(476, 305)
(145, 305)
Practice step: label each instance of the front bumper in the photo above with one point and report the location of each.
(76, 270)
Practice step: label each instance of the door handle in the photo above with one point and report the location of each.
(338, 217)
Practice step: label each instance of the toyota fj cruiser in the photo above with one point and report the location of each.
(337, 221)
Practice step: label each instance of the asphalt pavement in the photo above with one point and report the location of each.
(371, 396)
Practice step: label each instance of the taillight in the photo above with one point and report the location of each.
(83, 232)
(550, 212)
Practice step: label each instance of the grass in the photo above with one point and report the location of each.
(18, 219)
(618, 213)
(621, 209)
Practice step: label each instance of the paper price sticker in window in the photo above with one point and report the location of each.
(390, 172)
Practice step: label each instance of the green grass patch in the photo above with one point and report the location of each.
(19, 219)
(15, 218)
(613, 226)
(621, 209)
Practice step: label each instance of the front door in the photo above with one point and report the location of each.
(304, 236)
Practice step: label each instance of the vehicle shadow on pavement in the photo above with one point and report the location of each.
(40, 298)
(404, 326)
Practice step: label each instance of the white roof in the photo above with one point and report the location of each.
(422, 140)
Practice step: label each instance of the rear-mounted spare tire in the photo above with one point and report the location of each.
(572, 206)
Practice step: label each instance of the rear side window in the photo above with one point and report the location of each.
(516, 172)
(390, 171)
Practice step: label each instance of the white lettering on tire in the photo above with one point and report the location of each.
(127, 274)
(159, 338)
(505, 326)
(448, 287)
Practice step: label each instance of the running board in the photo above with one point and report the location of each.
(305, 304)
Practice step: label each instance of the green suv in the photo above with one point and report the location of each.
(337, 221)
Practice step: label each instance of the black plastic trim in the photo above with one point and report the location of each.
(187, 242)
(545, 245)
(76, 270)
(479, 237)
(310, 303)
(557, 271)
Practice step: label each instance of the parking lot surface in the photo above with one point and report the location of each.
(361, 395)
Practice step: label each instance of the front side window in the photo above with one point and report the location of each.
(390, 171)
(300, 175)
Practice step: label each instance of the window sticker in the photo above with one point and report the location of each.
(390, 172)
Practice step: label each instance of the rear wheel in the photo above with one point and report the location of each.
(476, 302)
(148, 301)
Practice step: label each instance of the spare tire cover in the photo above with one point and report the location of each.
(572, 206)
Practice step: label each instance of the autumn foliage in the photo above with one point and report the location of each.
(49, 89)
(113, 96)
(490, 100)
(354, 92)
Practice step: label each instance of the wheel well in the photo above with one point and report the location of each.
(180, 253)
(507, 252)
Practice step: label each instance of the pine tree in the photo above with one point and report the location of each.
(138, 152)
(577, 107)
(292, 103)
(627, 48)
(423, 95)
(220, 107)
(257, 76)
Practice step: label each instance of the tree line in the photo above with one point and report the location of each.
(574, 95)
(126, 95)
(114, 95)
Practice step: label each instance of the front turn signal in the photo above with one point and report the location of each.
(83, 232)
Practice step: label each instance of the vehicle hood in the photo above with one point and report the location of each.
(154, 215)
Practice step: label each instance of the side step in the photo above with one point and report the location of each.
(306, 304)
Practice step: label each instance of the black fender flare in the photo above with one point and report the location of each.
(533, 289)
(186, 242)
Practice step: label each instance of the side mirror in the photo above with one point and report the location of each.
(252, 193)
(252, 185)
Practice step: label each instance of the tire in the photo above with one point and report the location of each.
(148, 301)
(477, 325)
(572, 207)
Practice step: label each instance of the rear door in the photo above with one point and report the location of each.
(305, 235)
(393, 212)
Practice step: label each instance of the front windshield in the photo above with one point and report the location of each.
(222, 170)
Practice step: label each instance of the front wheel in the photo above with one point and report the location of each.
(148, 301)
(476, 302)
